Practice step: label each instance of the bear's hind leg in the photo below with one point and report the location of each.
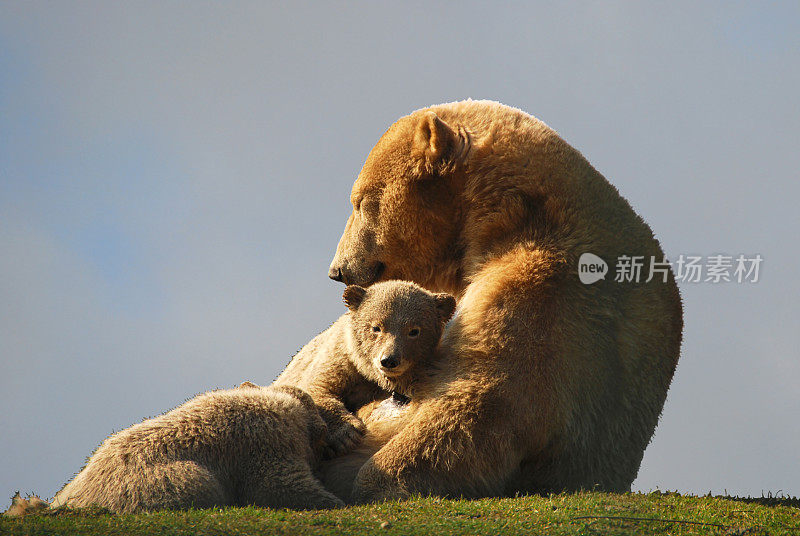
(285, 484)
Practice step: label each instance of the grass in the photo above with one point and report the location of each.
(581, 513)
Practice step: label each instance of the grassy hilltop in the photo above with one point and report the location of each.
(582, 513)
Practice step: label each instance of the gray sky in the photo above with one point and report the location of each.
(174, 179)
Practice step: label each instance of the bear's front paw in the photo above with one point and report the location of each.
(374, 484)
(344, 436)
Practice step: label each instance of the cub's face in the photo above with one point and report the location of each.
(396, 325)
(406, 206)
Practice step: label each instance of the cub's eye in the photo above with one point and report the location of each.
(376, 329)
(413, 333)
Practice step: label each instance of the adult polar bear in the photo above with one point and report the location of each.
(543, 383)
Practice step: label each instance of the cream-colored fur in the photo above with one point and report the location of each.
(543, 383)
(397, 321)
(382, 418)
(242, 446)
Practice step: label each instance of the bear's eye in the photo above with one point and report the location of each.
(413, 333)
(368, 208)
(376, 329)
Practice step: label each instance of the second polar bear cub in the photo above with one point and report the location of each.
(251, 445)
(390, 328)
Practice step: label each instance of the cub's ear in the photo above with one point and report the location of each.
(445, 306)
(353, 296)
(437, 146)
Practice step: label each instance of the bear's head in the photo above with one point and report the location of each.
(395, 326)
(407, 214)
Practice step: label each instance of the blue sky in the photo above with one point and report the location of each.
(174, 179)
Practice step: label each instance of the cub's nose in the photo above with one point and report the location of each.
(389, 361)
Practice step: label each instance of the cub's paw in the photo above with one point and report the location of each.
(20, 507)
(344, 436)
(328, 502)
(374, 485)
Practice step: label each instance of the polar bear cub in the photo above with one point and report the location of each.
(381, 345)
(246, 446)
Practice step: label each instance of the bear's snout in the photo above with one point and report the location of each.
(356, 273)
(335, 273)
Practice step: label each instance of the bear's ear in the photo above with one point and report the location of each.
(353, 296)
(445, 306)
(437, 145)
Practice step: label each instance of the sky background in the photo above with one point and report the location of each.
(174, 179)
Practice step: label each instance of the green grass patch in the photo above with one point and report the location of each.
(579, 513)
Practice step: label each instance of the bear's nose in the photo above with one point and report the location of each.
(389, 361)
(335, 273)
